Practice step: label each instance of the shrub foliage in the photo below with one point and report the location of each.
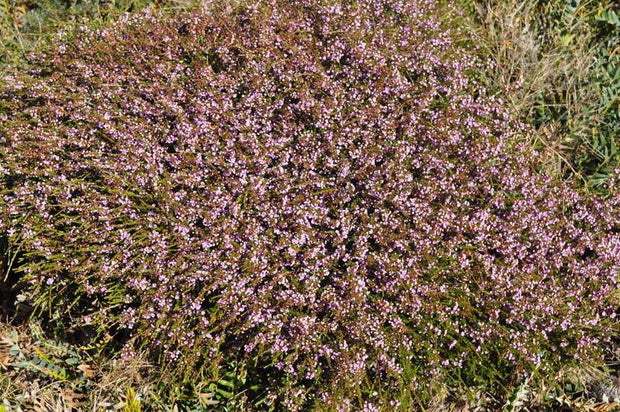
(321, 187)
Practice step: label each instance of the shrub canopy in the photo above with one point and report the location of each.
(320, 186)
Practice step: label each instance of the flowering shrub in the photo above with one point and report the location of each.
(320, 186)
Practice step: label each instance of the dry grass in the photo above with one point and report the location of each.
(529, 61)
(105, 385)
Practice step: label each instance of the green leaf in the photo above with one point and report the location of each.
(15, 351)
(567, 39)
(225, 394)
(226, 383)
(23, 365)
(72, 361)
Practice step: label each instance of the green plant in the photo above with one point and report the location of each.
(427, 232)
(132, 404)
(518, 396)
(54, 360)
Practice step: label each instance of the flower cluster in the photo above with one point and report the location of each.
(323, 184)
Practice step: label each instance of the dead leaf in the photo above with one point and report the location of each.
(5, 351)
(86, 370)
